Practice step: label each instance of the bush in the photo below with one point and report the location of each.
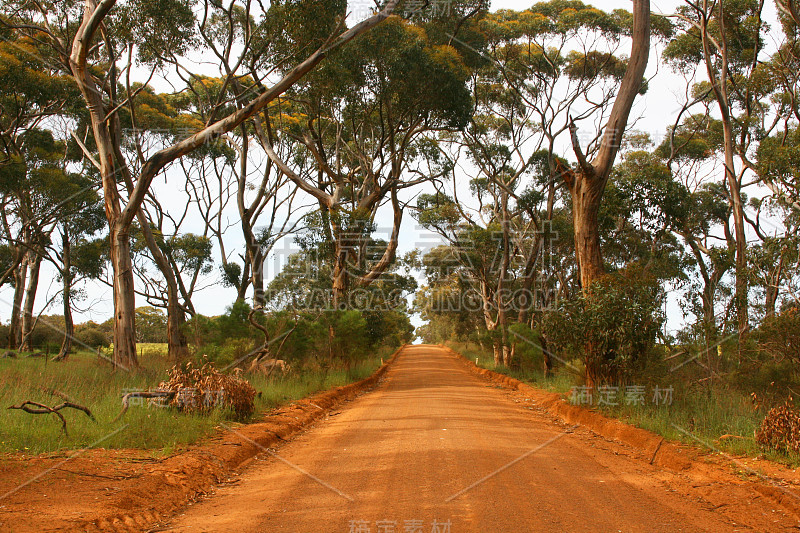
(780, 430)
(611, 326)
(91, 336)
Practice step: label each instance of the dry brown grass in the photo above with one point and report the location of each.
(201, 388)
(780, 430)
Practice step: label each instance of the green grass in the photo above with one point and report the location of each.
(94, 384)
(697, 415)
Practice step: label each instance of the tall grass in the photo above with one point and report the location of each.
(92, 383)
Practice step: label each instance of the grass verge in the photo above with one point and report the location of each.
(93, 384)
(719, 417)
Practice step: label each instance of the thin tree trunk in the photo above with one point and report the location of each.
(719, 85)
(177, 346)
(547, 360)
(66, 279)
(340, 279)
(497, 352)
(15, 329)
(771, 299)
(30, 299)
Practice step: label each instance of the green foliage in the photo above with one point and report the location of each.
(396, 70)
(299, 336)
(160, 28)
(611, 326)
(151, 325)
(90, 335)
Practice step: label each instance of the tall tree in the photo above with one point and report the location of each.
(367, 112)
(587, 183)
(726, 40)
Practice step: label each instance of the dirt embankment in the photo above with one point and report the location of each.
(776, 482)
(125, 490)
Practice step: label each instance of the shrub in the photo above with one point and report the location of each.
(780, 430)
(611, 326)
(91, 336)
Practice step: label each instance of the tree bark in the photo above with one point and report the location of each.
(771, 299)
(586, 196)
(177, 346)
(124, 299)
(340, 277)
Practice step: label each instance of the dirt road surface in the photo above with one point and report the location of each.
(437, 449)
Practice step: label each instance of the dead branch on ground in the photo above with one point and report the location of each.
(36, 408)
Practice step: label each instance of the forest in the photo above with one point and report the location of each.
(156, 150)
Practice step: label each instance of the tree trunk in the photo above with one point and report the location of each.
(257, 275)
(15, 328)
(771, 299)
(177, 347)
(340, 278)
(547, 360)
(30, 299)
(741, 287)
(719, 85)
(507, 354)
(709, 315)
(124, 300)
(66, 279)
(497, 352)
(586, 196)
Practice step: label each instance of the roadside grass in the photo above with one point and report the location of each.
(719, 417)
(92, 383)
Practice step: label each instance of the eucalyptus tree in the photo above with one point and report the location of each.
(31, 95)
(700, 213)
(360, 125)
(95, 43)
(512, 183)
(37, 187)
(78, 255)
(726, 40)
(482, 254)
(558, 56)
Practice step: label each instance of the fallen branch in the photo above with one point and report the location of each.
(168, 395)
(36, 408)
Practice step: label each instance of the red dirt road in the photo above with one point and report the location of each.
(410, 457)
